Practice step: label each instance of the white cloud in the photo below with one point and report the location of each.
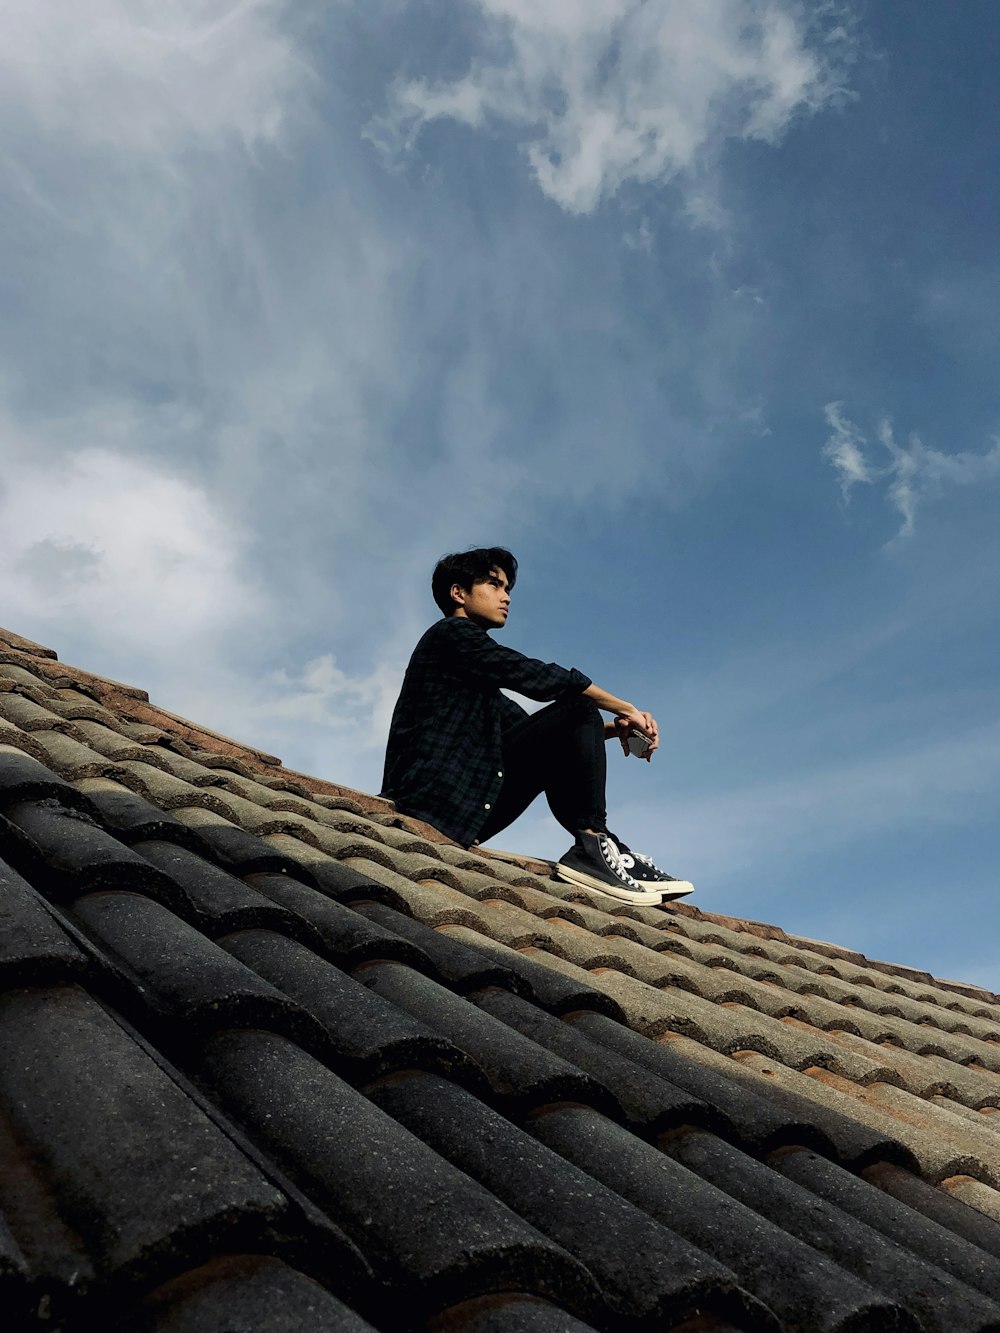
(914, 473)
(606, 92)
(146, 78)
(112, 539)
(323, 695)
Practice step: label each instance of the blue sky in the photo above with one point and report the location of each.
(694, 307)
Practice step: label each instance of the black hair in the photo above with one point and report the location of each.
(466, 568)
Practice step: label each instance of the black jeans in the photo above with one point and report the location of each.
(558, 750)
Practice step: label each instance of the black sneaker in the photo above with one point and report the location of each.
(594, 862)
(643, 871)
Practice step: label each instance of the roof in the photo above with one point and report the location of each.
(273, 1057)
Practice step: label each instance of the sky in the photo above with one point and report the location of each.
(694, 307)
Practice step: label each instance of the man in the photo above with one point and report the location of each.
(467, 759)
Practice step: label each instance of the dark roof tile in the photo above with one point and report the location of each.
(367, 1035)
(521, 1073)
(792, 1277)
(34, 948)
(973, 1225)
(130, 817)
(248, 1292)
(178, 974)
(23, 778)
(650, 1277)
(505, 1313)
(214, 897)
(430, 1230)
(67, 852)
(755, 1121)
(651, 1104)
(333, 877)
(46, 1262)
(928, 1240)
(235, 850)
(349, 935)
(940, 1302)
(109, 1127)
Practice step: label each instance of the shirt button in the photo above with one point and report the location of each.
(500, 773)
(487, 806)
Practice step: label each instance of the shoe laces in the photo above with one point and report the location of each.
(650, 864)
(616, 861)
(627, 857)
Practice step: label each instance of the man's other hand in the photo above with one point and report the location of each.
(634, 720)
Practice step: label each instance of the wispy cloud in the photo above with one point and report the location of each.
(845, 450)
(608, 92)
(913, 474)
(322, 694)
(146, 79)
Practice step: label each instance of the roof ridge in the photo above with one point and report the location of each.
(26, 645)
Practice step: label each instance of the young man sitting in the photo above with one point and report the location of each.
(467, 759)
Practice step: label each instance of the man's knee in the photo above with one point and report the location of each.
(578, 713)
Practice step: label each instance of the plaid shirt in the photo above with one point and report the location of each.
(444, 759)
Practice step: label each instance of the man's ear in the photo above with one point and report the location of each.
(458, 593)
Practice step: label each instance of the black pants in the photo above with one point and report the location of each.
(559, 751)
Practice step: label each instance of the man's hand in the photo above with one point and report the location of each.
(634, 720)
(627, 718)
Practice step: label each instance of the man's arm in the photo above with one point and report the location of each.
(475, 655)
(627, 718)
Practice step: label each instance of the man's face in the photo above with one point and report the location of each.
(488, 601)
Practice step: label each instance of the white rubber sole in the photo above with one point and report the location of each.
(642, 897)
(674, 888)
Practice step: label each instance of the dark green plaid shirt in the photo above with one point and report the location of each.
(444, 759)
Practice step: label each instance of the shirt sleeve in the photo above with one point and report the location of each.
(476, 656)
